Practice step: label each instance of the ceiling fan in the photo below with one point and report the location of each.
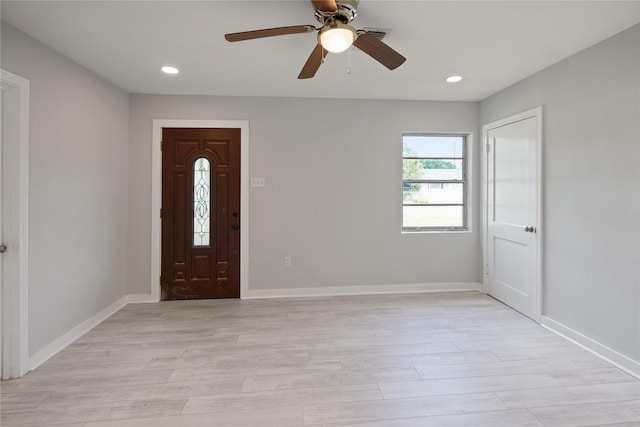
(334, 35)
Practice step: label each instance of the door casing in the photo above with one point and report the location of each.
(14, 301)
(537, 113)
(156, 194)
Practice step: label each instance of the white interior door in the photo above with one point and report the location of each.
(512, 229)
(1, 233)
(13, 225)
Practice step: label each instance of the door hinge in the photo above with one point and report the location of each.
(160, 212)
(161, 145)
(488, 148)
(161, 280)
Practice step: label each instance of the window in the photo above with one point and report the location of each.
(434, 182)
(201, 201)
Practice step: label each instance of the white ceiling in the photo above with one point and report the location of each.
(492, 43)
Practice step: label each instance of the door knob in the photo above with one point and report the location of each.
(3, 249)
(530, 229)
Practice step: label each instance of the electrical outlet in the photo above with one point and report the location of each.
(287, 261)
(258, 182)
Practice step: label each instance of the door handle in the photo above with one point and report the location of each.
(3, 248)
(530, 229)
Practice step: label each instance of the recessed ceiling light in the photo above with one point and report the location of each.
(170, 70)
(454, 79)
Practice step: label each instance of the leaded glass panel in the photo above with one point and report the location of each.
(201, 202)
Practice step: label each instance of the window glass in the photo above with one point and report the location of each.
(432, 169)
(435, 217)
(439, 194)
(430, 146)
(201, 202)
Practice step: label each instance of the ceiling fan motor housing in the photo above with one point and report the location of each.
(346, 12)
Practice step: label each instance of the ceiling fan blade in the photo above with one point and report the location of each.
(269, 32)
(378, 50)
(313, 63)
(325, 5)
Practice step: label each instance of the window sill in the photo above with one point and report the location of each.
(466, 231)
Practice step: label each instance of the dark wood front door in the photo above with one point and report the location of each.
(200, 213)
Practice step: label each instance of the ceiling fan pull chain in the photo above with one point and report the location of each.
(349, 61)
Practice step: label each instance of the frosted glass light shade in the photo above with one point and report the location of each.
(337, 38)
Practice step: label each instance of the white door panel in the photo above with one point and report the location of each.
(512, 199)
(2, 338)
(13, 225)
(510, 180)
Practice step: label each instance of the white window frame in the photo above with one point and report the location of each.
(467, 182)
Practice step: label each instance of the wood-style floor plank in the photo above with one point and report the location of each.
(594, 393)
(448, 386)
(400, 408)
(328, 378)
(290, 416)
(442, 359)
(506, 418)
(276, 398)
(589, 414)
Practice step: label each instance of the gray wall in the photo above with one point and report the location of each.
(79, 135)
(333, 190)
(591, 187)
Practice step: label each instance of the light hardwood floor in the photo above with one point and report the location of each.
(441, 359)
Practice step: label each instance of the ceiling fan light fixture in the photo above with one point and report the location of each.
(337, 37)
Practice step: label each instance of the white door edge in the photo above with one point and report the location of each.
(537, 113)
(15, 304)
(156, 195)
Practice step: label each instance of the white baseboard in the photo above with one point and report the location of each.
(338, 290)
(69, 337)
(141, 299)
(361, 290)
(617, 359)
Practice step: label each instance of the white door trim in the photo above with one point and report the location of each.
(156, 195)
(537, 113)
(15, 299)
